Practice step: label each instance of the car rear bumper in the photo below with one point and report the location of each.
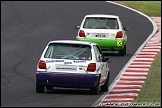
(106, 44)
(72, 80)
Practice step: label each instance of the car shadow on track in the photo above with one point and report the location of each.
(110, 53)
(75, 91)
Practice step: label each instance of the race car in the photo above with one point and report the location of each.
(72, 64)
(105, 30)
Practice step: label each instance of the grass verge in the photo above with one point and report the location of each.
(150, 8)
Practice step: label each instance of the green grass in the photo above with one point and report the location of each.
(151, 89)
(150, 8)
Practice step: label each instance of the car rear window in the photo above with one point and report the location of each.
(101, 23)
(68, 51)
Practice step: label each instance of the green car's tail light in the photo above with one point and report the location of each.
(42, 64)
(119, 34)
(81, 33)
(91, 67)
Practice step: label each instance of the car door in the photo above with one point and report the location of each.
(102, 65)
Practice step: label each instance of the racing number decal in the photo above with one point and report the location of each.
(119, 43)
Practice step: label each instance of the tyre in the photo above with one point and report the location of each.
(105, 87)
(39, 88)
(96, 89)
(123, 51)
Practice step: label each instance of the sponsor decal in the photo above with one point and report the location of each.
(79, 61)
(49, 61)
(65, 68)
(119, 43)
(67, 62)
(82, 67)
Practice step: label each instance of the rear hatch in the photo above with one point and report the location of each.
(67, 57)
(99, 27)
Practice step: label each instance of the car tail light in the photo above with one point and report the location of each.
(119, 34)
(81, 33)
(91, 67)
(42, 64)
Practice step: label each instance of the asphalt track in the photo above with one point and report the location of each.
(27, 27)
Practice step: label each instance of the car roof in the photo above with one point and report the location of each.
(102, 15)
(72, 42)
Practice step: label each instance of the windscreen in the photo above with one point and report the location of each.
(101, 23)
(68, 51)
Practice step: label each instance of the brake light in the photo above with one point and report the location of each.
(91, 67)
(81, 33)
(119, 34)
(42, 64)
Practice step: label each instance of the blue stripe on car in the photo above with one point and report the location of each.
(60, 79)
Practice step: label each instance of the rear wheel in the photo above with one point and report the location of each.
(123, 51)
(40, 88)
(96, 89)
(106, 84)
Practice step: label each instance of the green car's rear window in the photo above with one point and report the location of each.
(101, 23)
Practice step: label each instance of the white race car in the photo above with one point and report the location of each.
(73, 64)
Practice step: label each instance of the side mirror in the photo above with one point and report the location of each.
(77, 27)
(126, 29)
(108, 60)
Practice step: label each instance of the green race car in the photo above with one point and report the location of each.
(105, 30)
